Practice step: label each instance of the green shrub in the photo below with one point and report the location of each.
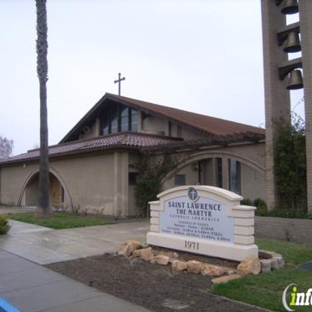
(146, 191)
(290, 163)
(4, 225)
(247, 202)
(288, 213)
(262, 208)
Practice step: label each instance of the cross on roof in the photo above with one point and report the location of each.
(119, 80)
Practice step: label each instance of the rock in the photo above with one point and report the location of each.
(274, 263)
(276, 260)
(174, 304)
(145, 253)
(265, 265)
(250, 265)
(280, 261)
(175, 255)
(225, 279)
(178, 265)
(194, 266)
(128, 247)
(160, 259)
(230, 271)
(264, 254)
(212, 270)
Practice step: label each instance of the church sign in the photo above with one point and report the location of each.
(205, 220)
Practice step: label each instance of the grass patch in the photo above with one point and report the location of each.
(60, 220)
(292, 253)
(265, 290)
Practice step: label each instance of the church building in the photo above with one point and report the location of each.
(97, 164)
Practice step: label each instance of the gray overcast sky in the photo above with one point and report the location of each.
(203, 56)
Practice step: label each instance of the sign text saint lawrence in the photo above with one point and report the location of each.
(199, 217)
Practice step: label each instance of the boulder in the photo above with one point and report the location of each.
(250, 265)
(225, 278)
(212, 270)
(178, 265)
(145, 253)
(175, 255)
(280, 261)
(276, 260)
(264, 254)
(265, 265)
(194, 266)
(274, 263)
(128, 247)
(160, 259)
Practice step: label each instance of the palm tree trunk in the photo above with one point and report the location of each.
(44, 207)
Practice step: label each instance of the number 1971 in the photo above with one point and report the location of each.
(191, 245)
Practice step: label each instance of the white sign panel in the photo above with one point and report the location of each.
(198, 217)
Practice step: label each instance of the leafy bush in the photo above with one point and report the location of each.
(247, 202)
(262, 210)
(152, 169)
(261, 205)
(146, 191)
(290, 163)
(4, 225)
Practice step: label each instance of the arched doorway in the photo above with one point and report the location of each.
(59, 196)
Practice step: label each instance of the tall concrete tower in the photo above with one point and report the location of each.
(283, 74)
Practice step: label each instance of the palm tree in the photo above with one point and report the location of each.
(44, 207)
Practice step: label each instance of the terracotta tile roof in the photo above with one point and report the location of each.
(196, 122)
(120, 140)
(219, 132)
(206, 124)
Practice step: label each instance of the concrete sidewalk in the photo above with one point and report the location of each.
(29, 287)
(43, 245)
(32, 288)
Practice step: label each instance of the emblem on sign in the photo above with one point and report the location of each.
(192, 194)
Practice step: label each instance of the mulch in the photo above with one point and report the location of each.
(152, 286)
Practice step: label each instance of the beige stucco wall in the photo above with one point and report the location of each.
(253, 183)
(100, 182)
(88, 180)
(132, 202)
(159, 126)
(155, 125)
(191, 177)
(251, 157)
(13, 179)
(94, 182)
(91, 132)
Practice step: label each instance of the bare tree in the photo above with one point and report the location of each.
(44, 207)
(6, 148)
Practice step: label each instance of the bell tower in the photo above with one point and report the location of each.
(282, 74)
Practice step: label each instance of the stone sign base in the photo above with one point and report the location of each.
(203, 220)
